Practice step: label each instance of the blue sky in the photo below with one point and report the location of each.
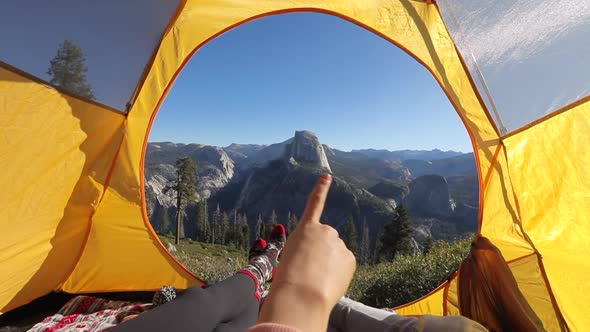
(255, 84)
(262, 81)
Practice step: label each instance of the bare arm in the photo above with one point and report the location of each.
(315, 271)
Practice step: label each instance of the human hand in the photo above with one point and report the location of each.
(314, 273)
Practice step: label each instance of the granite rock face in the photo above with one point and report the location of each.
(284, 187)
(390, 190)
(429, 196)
(215, 169)
(307, 149)
(255, 180)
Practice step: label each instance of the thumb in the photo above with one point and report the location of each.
(317, 200)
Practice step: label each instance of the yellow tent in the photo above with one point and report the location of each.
(73, 206)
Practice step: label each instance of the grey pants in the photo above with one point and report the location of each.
(229, 305)
(349, 316)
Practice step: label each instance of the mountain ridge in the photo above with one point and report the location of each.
(256, 179)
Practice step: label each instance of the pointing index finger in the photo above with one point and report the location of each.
(317, 199)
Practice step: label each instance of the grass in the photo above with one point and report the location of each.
(407, 278)
(390, 284)
(210, 262)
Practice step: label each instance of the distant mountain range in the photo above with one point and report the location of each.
(439, 188)
(403, 155)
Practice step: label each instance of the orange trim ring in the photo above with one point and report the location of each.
(150, 63)
(444, 284)
(156, 238)
(471, 80)
(273, 13)
(482, 183)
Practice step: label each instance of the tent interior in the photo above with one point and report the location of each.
(73, 198)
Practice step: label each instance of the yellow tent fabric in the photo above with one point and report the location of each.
(73, 197)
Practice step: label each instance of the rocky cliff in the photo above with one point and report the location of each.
(215, 169)
(306, 148)
(429, 197)
(284, 187)
(453, 166)
(257, 179)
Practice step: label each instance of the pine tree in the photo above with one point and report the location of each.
(246, 236)
(291, 222)
(377, 247)
(351, 238)
(229, 233)
(185, 187)
(269, 225)
(236, 229)
(68, 70)
(243, 236)
(365, 250)
(273, 218)
(215, 225)
(232, 236)
(396, 235)
(239, 235)
(164, 220)
(203, 230)
(224, 228)
(427, 245)
(404, 230)
(259, 230)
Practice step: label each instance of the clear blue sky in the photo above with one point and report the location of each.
(262, 81)
(256, 84)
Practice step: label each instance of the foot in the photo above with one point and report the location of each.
(263, 258)
(164, 295)
(278, 237)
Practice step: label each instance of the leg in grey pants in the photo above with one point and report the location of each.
(229, 305)
(349, 316)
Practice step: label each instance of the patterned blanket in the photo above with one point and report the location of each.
(87, 313)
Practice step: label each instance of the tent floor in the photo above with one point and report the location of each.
(23, 318)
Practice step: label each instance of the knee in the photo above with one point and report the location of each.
(194, 293)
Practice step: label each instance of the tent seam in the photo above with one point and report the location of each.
(471, 80)
(91, 217)
(520, 258)
(425, 296)
(556, 308)
(548, 117)
(61, 90)
(148, 67)
(445, 301)
(483, 185)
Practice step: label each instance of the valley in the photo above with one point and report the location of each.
(253, 184)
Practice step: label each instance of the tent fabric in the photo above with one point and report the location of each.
(56, 153)
(74, 212)
(528, 57)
